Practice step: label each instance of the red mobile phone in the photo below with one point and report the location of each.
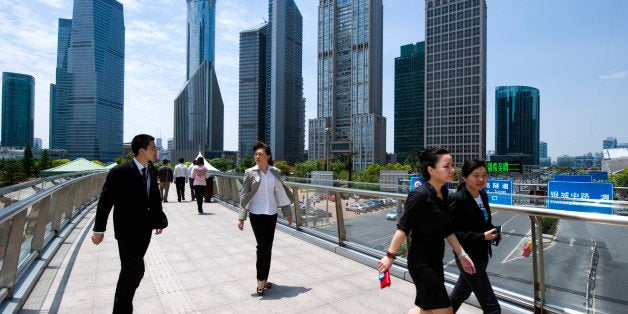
(384, 279)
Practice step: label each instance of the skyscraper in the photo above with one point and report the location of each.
(198, 109)
(87, 101)
(517, 124)
(455, 113)
(252, 89)
(542, 149)
(349, 105)
(409, 100)
(272, 107)
(18, 109)
(286, 110)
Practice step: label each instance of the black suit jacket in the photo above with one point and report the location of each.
(470, 225)
(125, 190)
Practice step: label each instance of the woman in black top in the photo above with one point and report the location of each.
(427, 217)
(475, 231)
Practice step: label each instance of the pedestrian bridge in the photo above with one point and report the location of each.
(324, 262)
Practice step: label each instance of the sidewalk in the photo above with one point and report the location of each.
(204, 264)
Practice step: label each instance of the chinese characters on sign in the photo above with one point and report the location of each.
(504, 166)
(580, 196)
(499, 191)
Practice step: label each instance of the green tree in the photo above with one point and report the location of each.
(10, 171)
(44, 162)
(98, 162)
(283, 166)
(304, 168)
(59, 162)
(222, 164)
(620, 179)
(28, 161)
(245, 163)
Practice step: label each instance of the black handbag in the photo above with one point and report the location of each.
(158, 219)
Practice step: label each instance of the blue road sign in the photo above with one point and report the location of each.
(499, 191)
(599, 175)
(416, 182)
(587, 191)
(572, 178)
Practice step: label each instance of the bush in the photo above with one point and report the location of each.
(550, 225)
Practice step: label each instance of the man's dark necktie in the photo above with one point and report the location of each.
(144, 175)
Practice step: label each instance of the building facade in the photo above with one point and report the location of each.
(87, 109)
(517, 123)
(286, 108)
(252, 89)
(198, 109)
(409, 100)
(609, 142)
(455, 113)
(18, 110)
(349, 118)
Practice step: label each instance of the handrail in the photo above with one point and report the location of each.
(538, 301)
(28, 224)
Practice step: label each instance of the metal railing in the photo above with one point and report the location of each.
(559, 261)
(34, 217)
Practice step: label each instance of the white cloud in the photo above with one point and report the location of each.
(613, 76)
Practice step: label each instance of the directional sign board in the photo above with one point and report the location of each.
(599, 175)
(586, 191)
(572, 178)
(416, 182)
(499, 191)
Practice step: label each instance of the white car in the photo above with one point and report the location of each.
(392, 215)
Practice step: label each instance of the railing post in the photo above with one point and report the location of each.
(12, 252)
(537, 265)
(342, 231)
(298, 219)
(39, 233)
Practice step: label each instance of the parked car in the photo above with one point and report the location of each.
(356, 207)
(372, 205)
(392, 215)
(314, 199)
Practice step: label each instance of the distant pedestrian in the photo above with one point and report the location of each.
(180, 176)
(200, 173)
(190, 167)
(165, 178)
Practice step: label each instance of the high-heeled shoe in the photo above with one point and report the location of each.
(260, 291)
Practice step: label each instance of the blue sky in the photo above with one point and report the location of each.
(574, 51)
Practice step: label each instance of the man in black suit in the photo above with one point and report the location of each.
(131, 188)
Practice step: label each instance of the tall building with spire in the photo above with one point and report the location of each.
(455, 93)
(87, 100)
(198, 109)
(272, 108)
(349, 119)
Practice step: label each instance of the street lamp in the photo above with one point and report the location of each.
(327, 131)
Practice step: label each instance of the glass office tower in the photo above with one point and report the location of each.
(252, 89)
(18, 109)
(517, 124)
(198, 109)
(87, 113)
(286, 109)
(349, 105)
(409, 100)
(455, 113)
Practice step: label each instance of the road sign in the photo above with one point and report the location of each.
(504, 166)
(599, 175)
(587, 191)
(499, 191)
(572, 178)
(416, 182)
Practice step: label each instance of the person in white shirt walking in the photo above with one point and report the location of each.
(180, 176)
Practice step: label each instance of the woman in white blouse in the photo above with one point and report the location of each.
(262, 192)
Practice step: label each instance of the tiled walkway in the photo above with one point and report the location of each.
(204, 264)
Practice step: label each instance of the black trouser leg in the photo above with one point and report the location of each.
(131, 273)
(192, 188)
(264, 230)
(180, 183)
(480, 285)
(198, 192)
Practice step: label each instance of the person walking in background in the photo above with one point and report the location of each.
(428, 218)
(200, 173)
(262, 192)
(475, 231)
(180, 176)
(165, 178)
(131, 189)
(190, 168)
